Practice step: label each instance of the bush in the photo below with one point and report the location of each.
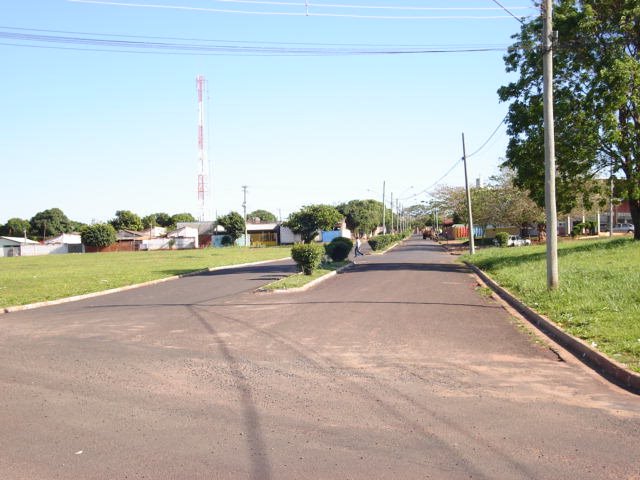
(338, 249)
(380, 242)
(502, 238)
(98, 235)
(307, 256)
(226, 241)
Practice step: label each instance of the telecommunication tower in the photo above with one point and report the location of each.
(203, 164)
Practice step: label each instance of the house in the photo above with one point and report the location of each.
(184, 237)
(11, 246)
(205, 231)
(154, 232)
(66, 239)
(263, 234)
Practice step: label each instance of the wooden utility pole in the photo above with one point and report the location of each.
(549, 147)
(472, 247)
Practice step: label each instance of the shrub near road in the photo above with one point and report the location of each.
(599, 295)
(25, 280)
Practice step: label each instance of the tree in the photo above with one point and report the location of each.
(233, 224)
(15, 227)
(362, 216)
(50, 222)
(263, 215)
(183, 218)
(500, 203)
(126, 220)
(597, 102)
(312, 218)
(98, 235)
(159, 219)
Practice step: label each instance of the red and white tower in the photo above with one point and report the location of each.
(203, 164)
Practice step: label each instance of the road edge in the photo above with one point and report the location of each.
(609, 369)
(84, 296)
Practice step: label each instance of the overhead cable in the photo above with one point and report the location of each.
(508, 11)
(367, 7)
(490, 137)
(426, 190)
(305, 13)
(220, 48)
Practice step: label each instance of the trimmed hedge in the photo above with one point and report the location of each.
(380, 242)
(339, 248)
(308, 256)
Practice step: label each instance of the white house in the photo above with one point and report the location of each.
(65, 238)
(10, 246)
(185, 237)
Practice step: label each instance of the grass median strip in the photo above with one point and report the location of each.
(25, 280)
(599, 295)
(299, 280)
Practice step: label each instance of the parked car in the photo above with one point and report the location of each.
(517, 241)
(514, 241)
(624, 228)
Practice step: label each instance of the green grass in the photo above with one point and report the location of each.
(299, 280)
(25, 280)
(599, 295)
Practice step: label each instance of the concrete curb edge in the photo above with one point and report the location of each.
(322, 278)
(605, 366)
(76, 298)
(307, 286)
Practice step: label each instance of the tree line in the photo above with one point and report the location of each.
(53, 222)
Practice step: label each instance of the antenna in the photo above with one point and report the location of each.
(203, 164)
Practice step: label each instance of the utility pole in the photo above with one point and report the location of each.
(611, 201)
(472, 247)
(549, 147)
(244, 211)
(384, 208)
(436, 219)
(391, 205)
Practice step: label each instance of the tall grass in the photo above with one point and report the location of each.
(25, 280)
(599, 295)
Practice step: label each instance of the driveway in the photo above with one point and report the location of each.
(396, 368)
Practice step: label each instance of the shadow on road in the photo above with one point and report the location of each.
(263, 269)
(260, 465)
(366, 265)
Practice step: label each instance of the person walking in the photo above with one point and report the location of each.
(358, 245)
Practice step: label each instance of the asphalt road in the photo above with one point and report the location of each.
(398, 368)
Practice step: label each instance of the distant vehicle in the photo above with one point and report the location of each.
(517, 241)
(514, 241)
(624, 228)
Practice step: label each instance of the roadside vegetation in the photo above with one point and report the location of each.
(25, 280)
(300, 279)
(598, 299)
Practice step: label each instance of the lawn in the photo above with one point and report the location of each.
(599, 295)
(25, 280)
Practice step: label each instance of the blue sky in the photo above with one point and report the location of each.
(93, 128)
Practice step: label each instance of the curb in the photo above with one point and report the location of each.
(322, 278)
(309, 285)
(76, 298)
(610, 369)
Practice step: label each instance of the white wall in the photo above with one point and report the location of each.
(30, 250)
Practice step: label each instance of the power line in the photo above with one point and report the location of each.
(508, 11)
(367, 7)
(426, 190)
(490, 137)
(257, 42)
(143, 46)
(305, 13)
